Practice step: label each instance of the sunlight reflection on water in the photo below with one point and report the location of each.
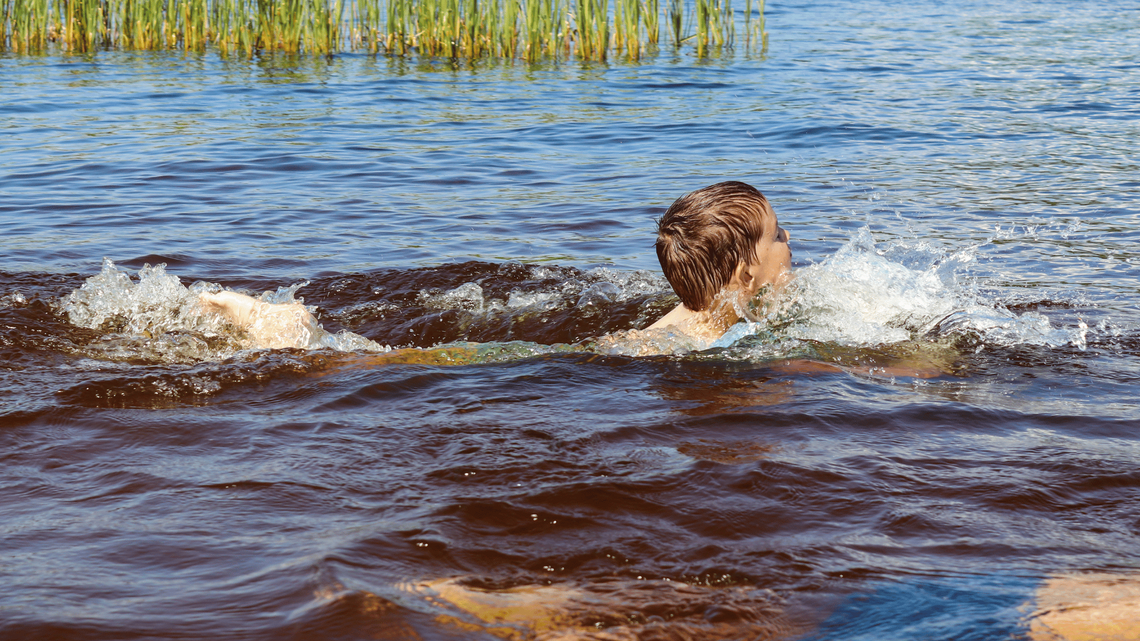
(962, 180)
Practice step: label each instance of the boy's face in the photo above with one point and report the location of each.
(774, 258)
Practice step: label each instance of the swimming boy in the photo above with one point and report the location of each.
(718, 247)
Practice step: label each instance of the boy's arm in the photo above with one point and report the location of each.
(445, 355)
(906, 370)
(275, 326)
(270, 326)
(678, 314)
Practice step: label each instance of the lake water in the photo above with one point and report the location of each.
(959, 182)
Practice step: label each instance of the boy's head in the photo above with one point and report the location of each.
(723, 234)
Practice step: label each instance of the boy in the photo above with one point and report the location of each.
(717, 246)
(268, 325)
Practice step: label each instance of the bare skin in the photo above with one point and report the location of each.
(1087, 607)
(772, 268)
(268, 325)
(275, 326)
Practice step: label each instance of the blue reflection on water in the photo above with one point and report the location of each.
(966, 608)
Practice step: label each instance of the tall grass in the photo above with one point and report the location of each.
(27, 24)
(592, 32)
(526, 29)
(754, 31)
(676, 21)
(714, 24)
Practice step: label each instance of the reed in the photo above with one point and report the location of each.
(507, 28)
(474, 41)
(147, 26)
(592, 29)
(714, 24)
(83, 24)
(763, 32)
(754, 32)
(397, 36)
(195, 24)
(232, 31)
(530, 30)
(627, 27)
(365, 25)
(652, 21)
(323, 35)
(676, 18)
(543, 30)
(28, 25)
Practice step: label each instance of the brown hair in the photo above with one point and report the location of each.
(705, 234)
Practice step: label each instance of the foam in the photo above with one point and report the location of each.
(867, 296)
(864, 296)
(156, 318)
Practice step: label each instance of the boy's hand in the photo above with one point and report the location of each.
(269, 326)
(236, 308)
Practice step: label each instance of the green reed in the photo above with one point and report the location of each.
(754, 32)
(714, 24)
(233, 32)
(545, 28)
(676, 19)
(83, 24)
(652, 14)
(365, 25)
(506, 29)
(627, 27)
(28, 26)
(592, 29)
(397, 32)
(531, 30)
(142, 24)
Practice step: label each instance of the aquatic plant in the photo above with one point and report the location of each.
(593, 28)
(528, 29)
(651, 15)
(755, 31)
(676, 15)
(26, 24)
(714, 24)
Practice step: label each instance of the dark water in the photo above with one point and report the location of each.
(959, 182)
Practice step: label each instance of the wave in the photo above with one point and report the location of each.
(902, 297)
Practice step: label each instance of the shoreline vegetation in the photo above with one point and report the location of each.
(529, 30)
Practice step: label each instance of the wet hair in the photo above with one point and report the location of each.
(705, 234)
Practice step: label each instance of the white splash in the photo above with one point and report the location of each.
(156, 318)
(866, 296)
(157, 304)
(594, 288)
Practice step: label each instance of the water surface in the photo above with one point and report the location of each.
(958, 184)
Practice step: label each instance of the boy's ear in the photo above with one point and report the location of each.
(741, 276)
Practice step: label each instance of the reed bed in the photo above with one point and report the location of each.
(524, 29)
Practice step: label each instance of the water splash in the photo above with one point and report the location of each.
(862, 297)
(154, 319)
(548, 288)
(158, 303)
(158, 319)
(865, 296)
(14, 299)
